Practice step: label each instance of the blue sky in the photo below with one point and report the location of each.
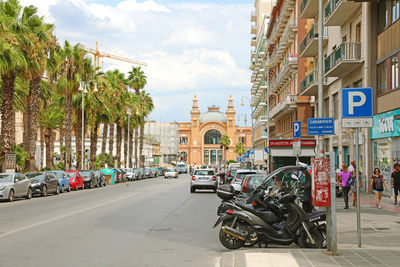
(191, 47)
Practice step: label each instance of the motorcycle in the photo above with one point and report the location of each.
(273, 218)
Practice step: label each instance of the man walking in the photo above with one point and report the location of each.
(395, 182)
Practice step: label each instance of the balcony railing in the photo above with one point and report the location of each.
(345, 52)
(311, 36)
(289, 100)
(338, 11)
(289, 64)
(309, 85)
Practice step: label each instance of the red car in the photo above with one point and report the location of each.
(75, 180)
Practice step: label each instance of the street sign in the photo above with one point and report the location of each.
(251, 151)
(296, 147)
(321, 126)
(266, 150)
(239, 159)
(357, 103)
(357, 122)
(321, 182)
(296, 129)
(259, 156)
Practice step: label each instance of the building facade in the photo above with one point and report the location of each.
(199, 138)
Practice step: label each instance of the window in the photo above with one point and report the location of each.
(194, 123)
(394, 72)
(382, 16)
(358, 33)
(212, 137)
(326, 108)
(206, 156)
(395, 10)
(382, 77)
(230, 122)
(335, 106)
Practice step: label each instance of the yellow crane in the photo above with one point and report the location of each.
(97, 55)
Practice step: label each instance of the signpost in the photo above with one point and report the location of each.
(321, 126)
(296, 139)
(357, 112)
(321, 189)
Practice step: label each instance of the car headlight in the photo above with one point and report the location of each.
(36, 184)
(2, 188)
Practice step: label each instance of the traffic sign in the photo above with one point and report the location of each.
(321, 126)
(296, 129)
(357, 122)
(251, 151)
(266, 150)
(296, 147)
(357, 103)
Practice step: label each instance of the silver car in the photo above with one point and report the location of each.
(203, 179)
(14, 185)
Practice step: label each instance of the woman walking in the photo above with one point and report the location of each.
(377, 183)
(345, 175)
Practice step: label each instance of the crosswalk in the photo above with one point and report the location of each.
(270, 260)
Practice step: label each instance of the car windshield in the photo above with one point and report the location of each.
(85, 173)
(181, 165)
(128, 170)
(170, 170)
(241, 175)
(35, 175)
(58, 174)
(233, 172)
(71, 174)
(204, 172)
(5, 178)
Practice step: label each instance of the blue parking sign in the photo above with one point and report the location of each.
(296, 129)
(357, 103)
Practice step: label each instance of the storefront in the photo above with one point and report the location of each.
(385, 135)
(282, 152)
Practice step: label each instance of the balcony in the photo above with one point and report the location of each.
(309, 85)
(286, 105)
(259, 107)
(308, 9)
(253, 41)
(281, 21)
(343, 60)
(338, 11)
(285, 74)
(253, 16)
(253, 29)
(309, 45)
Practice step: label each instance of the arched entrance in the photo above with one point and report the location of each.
(212, 152)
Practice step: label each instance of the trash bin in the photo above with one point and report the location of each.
(108, 175)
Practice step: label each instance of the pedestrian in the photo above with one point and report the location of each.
(345, 175)
(377, 183)
(395, 182)
(352, 169)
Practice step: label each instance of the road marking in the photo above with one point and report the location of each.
(67, 215)
(270, 259)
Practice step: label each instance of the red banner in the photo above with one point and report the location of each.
(278, 143)
(321, 188)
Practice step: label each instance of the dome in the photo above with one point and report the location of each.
(212, 116)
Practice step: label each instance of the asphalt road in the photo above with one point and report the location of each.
(155, 222)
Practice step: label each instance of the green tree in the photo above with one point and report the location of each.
(224, 142)
(240, 148)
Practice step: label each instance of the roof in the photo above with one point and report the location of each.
(212, 116)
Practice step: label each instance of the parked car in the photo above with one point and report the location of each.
(63, 180)
(101, 180)
(14, 185)
(203, 179)
(138, 174)
(171, 172)
(148, 173)
(43, 183)
(89, 178)
(75, 180)
(240, 174)
(123, 175)
(155, 171)
(130, 175)
(251, 182)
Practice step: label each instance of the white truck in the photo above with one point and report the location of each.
(181, 166)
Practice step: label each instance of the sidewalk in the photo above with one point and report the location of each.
(380, 238)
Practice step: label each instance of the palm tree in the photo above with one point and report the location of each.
(12, 62)
(146, 107)
(224, 142)
(239, 149)
(137, 80)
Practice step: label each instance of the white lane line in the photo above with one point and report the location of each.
(66, 215)
(270, 260)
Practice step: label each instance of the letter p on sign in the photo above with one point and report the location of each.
(357, 103)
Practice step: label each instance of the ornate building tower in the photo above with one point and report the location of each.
(231, 127)
(195, 141)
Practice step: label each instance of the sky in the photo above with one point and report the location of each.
(192, 47)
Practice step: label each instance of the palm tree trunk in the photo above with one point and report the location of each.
(41, 147)
(52, 140)
(130, 148)
(125, 147)
(7, 115)
(136, 146)
(104, 144)
(47, 140)
(141, 145)
(119, 144)
(80, 165)
(34, 92)
(93, 147)
(62, 144)
(111, 146)
(26, 138)
(68, 130)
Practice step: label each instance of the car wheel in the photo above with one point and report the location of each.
(44, 191)
(11, 195)
(62, 189)
(57, 190)
(91, 185)
(192, 190)
(29, 194)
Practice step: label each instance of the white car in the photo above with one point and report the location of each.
(171, 172)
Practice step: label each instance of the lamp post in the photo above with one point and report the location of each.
(245, 121)
(129, 128)
(83, 89)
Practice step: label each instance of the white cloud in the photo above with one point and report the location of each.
(189, 35)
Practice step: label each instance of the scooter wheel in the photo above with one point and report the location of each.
(230, 242)
(305, 242)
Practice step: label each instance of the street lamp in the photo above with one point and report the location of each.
(82, 87)
(129, 128)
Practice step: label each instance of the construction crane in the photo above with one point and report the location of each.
(97, 55)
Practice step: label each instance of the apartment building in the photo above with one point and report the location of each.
(260, 18)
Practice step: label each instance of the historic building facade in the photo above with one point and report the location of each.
(199, 138)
